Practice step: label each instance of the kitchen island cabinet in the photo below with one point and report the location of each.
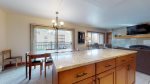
(102, 66)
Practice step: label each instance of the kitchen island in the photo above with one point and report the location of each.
(100, 66)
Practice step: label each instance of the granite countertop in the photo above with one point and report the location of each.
(69, 60)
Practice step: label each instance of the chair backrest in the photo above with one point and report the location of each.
(39, 55)
(6, 54)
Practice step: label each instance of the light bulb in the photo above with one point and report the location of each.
(53, 21)
(61, 23)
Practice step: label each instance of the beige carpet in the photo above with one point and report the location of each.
(17, 76)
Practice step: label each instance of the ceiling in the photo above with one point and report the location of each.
(95, 13)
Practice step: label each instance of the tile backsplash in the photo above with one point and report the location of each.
(127, 42)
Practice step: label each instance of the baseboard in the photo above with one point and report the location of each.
(12, 65)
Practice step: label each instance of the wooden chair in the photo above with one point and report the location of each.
(48, 62)
(8, 58)
(34, 63)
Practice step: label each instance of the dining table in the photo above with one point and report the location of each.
(37, 55)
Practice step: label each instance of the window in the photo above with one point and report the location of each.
(95, 37)
(44, 38)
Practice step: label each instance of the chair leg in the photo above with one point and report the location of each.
(30, 72)
(45, 71)
(16, 63)
(40, 70)
(26, 72)
(34, 67)
(21, 61)
(3, 67)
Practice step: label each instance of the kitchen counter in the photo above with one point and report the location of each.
(69, 60)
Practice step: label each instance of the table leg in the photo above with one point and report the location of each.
(26, 67)
(30, 68)
(45, 67)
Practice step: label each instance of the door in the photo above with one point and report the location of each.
(131, 72)
(87, 81)
(107, 77)
(109, 38)
(121, 74)
(45, 38)
(65, 40)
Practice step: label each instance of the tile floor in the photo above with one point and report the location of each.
(142, 78)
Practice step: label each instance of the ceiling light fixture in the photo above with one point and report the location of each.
(56, 23)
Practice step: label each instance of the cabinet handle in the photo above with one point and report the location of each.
(81, 74)
(108, 65)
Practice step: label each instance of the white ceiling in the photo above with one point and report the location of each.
(96, 13)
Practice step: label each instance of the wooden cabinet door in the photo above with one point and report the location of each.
(107, 77)
(131, 72)
(87, 81)
(121, 74)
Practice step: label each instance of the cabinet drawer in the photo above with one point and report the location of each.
(105, 65)
(77, 74)
(125, 59)
(121, 60)
(132, 57)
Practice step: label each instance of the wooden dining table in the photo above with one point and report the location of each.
(28, 54)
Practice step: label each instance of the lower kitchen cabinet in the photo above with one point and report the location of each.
(131, 72)
(121, 74)
(107, 77)
(125, 73)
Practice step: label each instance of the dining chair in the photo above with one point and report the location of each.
(8, 58)
(34, 62)
(48, 62)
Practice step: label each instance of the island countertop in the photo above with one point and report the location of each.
(69, 60)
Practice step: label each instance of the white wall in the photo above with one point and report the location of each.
(18, 31)
(3, 40)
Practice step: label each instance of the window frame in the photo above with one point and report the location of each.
(32, 26)
(99, 36)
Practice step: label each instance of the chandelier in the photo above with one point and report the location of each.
(56, 23)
